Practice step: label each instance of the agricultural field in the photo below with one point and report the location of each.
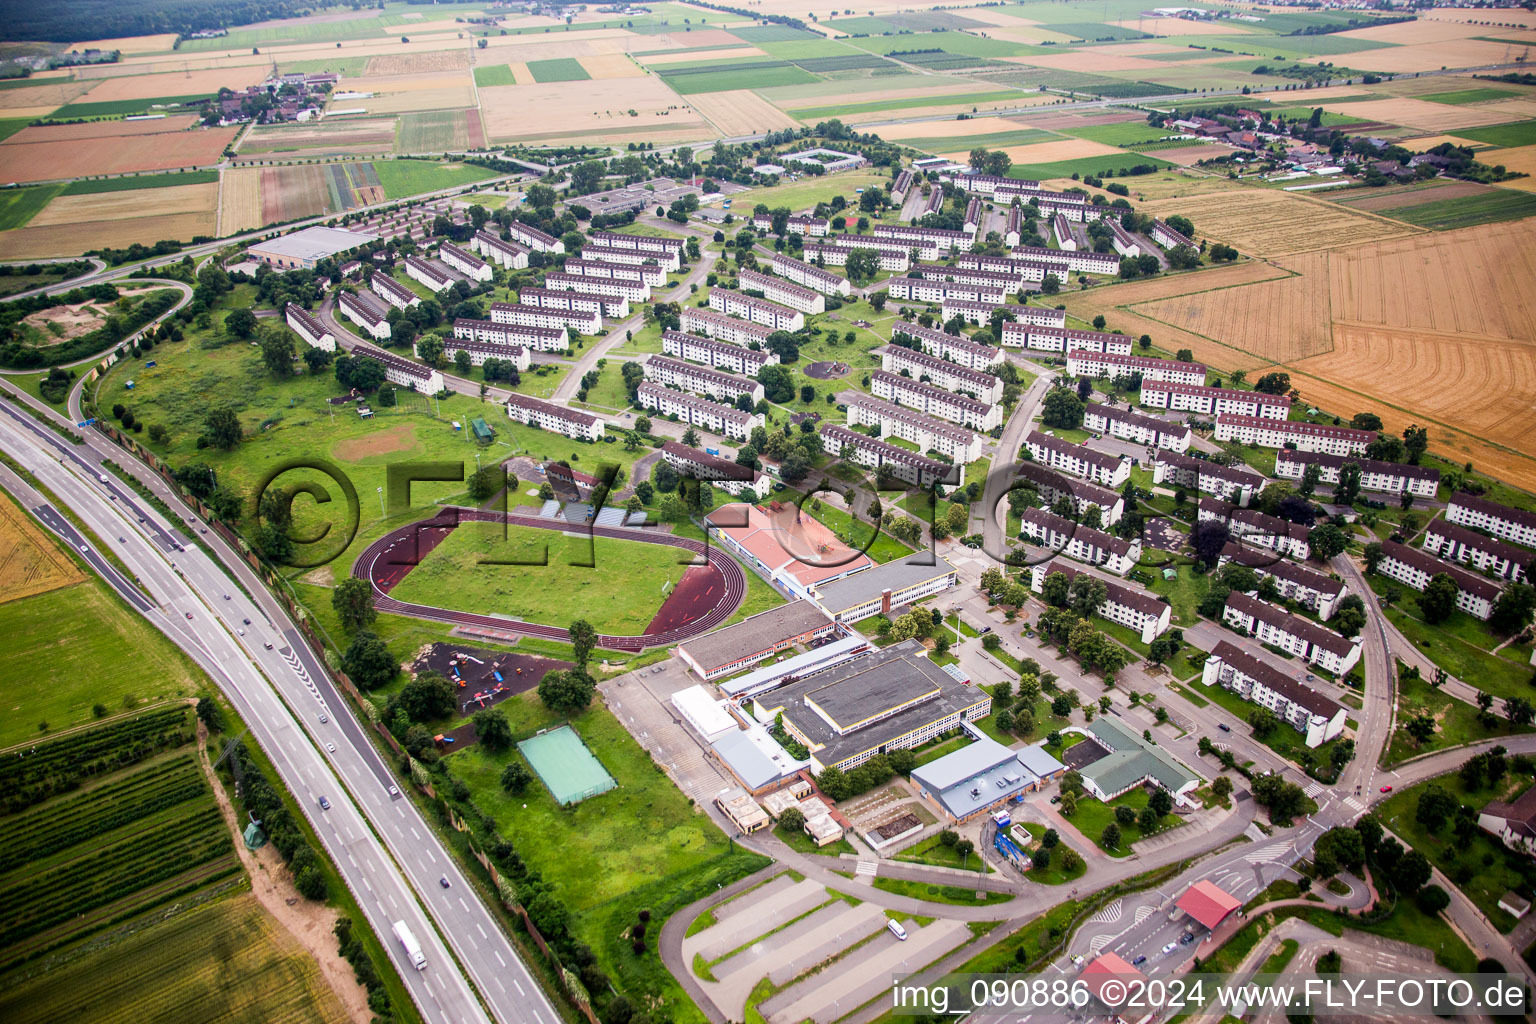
(341, 137)
(560, 69)
(46, 154)
(439, 131)
(30, 562)
(290, 192)
(741, 112)
(721, 76)
(608, 109)
(75, 221)
(1269, 223)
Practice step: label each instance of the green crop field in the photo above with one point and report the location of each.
(812, 114)
(1464, 211)
(1127, 134)
(402, 178)
(619, 594)
(134, 182)
(1521, 133)
(11, 125)
(959, 43)
(1094, 31)
(1018, 137)
(434, 131)
(19, 205)
(1286, 47)
(719, 76)
(561, 69)
(494, 74)
(1109, 163)
(759, 34)
(115, 108)
(1460, 97)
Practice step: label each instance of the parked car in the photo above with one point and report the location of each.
(1386, 789)
(1223, 726)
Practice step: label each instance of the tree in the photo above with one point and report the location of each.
(1327, 540)
(311, 884)
(1085, 594)
(1208, 537)
(1160, 802)
(515, 778)
(792, 820)
(1410, 873)
(352, 600)
(1221, 787)
(1062, 408)
(428, 697)
(485, 482)
(1439, 599)
(492, 729)
(1110, 837)
(1125, 815)
(276, 350)
(1519, 710)
(1421, 728)
(567, 692)
(1433, 899)
(1263, 722)
(778, 384)
(1274, 383)
(207, 712)
(1436, 806)
(222, 428)
(368, 662)
(1513, 608)
(583, 639)
(965, 848)
(241, 323)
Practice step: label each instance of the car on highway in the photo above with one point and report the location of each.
(323, 719)
(1386, 789)
(331, 747)
(1170, 948)
(268, 645)
(189, 615)
(443, 881)
(240, 631)
(325, 804)
(1223, 726)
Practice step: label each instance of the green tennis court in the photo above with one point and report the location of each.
(566, 765)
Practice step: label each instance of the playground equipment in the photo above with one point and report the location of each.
(1009, 850)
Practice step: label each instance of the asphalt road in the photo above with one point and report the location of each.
(387, 853)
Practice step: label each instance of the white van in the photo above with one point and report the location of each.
(895, 928)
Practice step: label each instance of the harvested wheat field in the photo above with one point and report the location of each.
(101, 129)
(1267, 223)
(1481, 16)
(1521, 158)
(144, 202)
(1521, 108)
(1422, 115)
(611, 65)
(569, 109)
(191, 83)
(1427, 142)
(44, 96)
(1454, 53)
(1030, 35)
(239, 201)
(288, 193)
(161, 43)
(728, 53)
(33, 242)
(400, 94)
(1405, 197)
(1050, 152)
(741, 112)
(1188, 156)
(1412, 33)
(29, 561)
(418, 63)
(44, 161)
(1278, 320)
(333, 135)
(1175, 27)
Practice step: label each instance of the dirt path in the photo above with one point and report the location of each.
(309, 923)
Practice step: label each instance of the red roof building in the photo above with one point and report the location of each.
(1208, 903)
(1109, 967)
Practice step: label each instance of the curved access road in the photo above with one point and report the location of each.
(373, 566)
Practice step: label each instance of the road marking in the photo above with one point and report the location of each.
(516, 985)
(481, 930)
(500, 960)
(463, 904)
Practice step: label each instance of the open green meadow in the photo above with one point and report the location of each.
(494, 74)
(119, 108)
(1520, 133)
(1455, 721)
(718, 76)
(475, 569)
(1461, 645)
(401, 178)
(807, 192)
(1461, 97)
(1465, 211)
(19, 205)
(561, 69)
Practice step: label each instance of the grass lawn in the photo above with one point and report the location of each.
(1184, 592)
(807, 192)
(1053, 873)
(619, 593)
(801, 842)
(401, 178)
(1455, 721)
(931, 851)
(1190, 695)
(641, 845)
(1092, 815)
(1460, 645)
(1280, 958)
(856, 534)
(1480, 866)
(951, 894)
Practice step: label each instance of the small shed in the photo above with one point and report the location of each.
(482, 430)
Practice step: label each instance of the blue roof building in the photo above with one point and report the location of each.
(984, 776)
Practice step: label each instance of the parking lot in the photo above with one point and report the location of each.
(642, 700)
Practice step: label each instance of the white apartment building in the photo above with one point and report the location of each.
(946, 241)
(973, 214)
(701, 380)
(1129, 425)
(500, 251)
(1307, 437)
(648, 274)
(883, 457)
(613, 291)
(1052, 338)
(699, 412)
(1051, 486)
(981, 312)
(805, 224)
(1475, 595)
(1016, 267)
(1079, 542)
(820, 280)
(1135, 609)
(901, 186)
(403, 372)
(892, 258)
(758, 311)
(785, 293)
(1316, 716)
(555, 418)
(1255, 527)
(308, 328)
(736, 480)
(1207, 401)
(486, 339)
(1229, 483)
(935, 401)
(364, 313)
(1460, 544)
(922, 289)
(1063, 232)
(424, 273)
(635, 243)
(1079, 261)
(1079, 460)
(1317, 591)
(392, 291)
(719, 355)
(1006, 280)
(959, 350)
(930, 435)
(1380, 477)
(668, 260)
(1121, 239)
(1086, 363)
(1511, 524)
(533, 238)
(540, 307)
(722, 327)
(1168, 238)
(921, 366)
(1300, 637)
(1015, 227)
(465, 263)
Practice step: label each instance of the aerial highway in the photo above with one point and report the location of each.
(219, 614)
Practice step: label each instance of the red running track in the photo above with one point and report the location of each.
(383, 575)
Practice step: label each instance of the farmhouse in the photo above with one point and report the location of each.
(1381, 477)
(1168, 238)
(1132, 761)
(304, 248)
(1061, 231)
(428, 275)
(822, 281)
(1132, 426)
(731, 477)
(556, 418)
(782, 292)
(1307, 437)
(1475, 595)
(1301, 637)
(1083, 363)
(883, 457)
(500, 251)
(923, 367)
(983, 776)
(1135, 609)
(308, 328)
(1512, 524)
(365, 312)
(935, 401)
(1052, 486)
(392, 291)
(1460, 544)
(892, 699)
(1050, 338)
(402, 372)
(1207, 401)
(470, 266)
(1079, 460)
(1079, 542)
(735, 648)
(698, 379)
(906, 234)
(533, 238)
(566, 312)
(486, 339)
(1297, 583)
(882, 590)
(719, 355)
(951, 347)
(1225, 482)
(758, 311)
(725, 328)
(793, 555)
(638, 273)
(1079, 261)
(698, 412)
(1316, 716)
(1280, 535)
(930, 435)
